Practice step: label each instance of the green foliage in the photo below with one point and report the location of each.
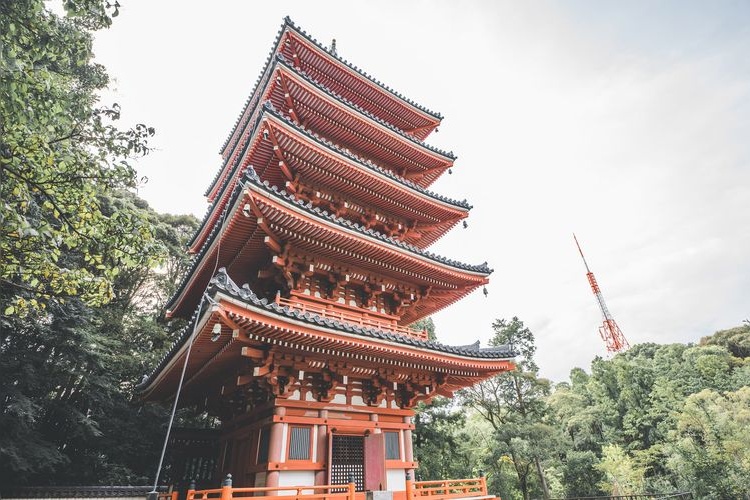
(60, 156)
(580, 474)
(623, 475)
(514, 404)
(657, 418)
(710, 448)
(68, 373)
(426, 324)
(441, 444)
(735, 340)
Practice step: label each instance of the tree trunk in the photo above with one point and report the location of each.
(542, 479)
(524, 488)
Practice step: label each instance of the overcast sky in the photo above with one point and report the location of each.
(625, 122)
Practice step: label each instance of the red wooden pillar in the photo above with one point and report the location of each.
(409, 486)
(408, 450)
(322, 451)
(275, 447)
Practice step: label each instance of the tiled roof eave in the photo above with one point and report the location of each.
(252, 178)
(289, 23)
(382, 171)
(222, 283)
(224, 184)
(422, 109)
(264, 71)
(358, 110)
(267, 107)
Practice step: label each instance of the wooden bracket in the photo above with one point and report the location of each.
(288, 98)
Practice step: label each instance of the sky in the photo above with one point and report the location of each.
(624, 122)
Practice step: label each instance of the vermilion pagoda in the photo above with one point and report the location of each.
(321, 207)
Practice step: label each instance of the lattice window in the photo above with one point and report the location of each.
(348, 458)
(299, 443)
(392, 446)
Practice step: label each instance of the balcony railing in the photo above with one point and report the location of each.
(317, 492)
(351, 318)
(443, 489)
(415, 490)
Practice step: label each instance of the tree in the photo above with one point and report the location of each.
(514, 405)
(623, 476)
(580, 421)
(736, 340)
(710, 452)
(68, 374)
(440, 440)
(427, 325)
(632, 418)
(60, 155)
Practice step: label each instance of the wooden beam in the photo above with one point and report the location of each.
(222, 314)
(263, 224)
(419, 175)
(276, 147)
(288, 99)
(272, 244)
(422, 128)
(260, 371)
(423, 228)
(253, 352)
(285, 170)
(254, 208)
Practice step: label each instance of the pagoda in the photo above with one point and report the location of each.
(308, 269)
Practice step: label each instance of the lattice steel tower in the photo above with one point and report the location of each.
(609, 331)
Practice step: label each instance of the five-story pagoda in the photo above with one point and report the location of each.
(322, 211)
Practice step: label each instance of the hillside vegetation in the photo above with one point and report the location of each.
(656, 418)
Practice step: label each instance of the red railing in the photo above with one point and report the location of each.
(351, 318)
(318, 492)
(415, 490)
(167, 496)
(451, 488)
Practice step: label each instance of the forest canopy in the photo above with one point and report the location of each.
(657, 418)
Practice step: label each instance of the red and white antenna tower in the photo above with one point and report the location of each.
(609, 331)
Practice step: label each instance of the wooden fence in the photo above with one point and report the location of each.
(445, 489)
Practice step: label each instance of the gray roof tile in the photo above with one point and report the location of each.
(223, 283)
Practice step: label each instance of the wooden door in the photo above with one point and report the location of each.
(375, 475)
(346, 459)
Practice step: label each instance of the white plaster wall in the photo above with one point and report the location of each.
(396, 479)
(260, 480)
(296, 478)
(284, 431)
(314, 437)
